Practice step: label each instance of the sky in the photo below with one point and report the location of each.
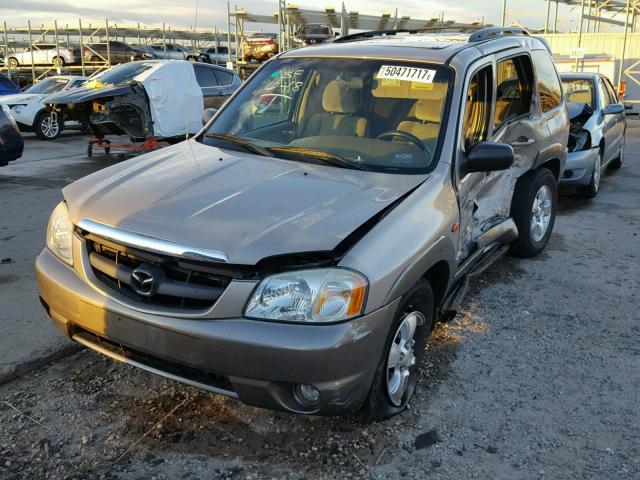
(181, 14)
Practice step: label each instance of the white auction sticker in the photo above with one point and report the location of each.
(411, 74)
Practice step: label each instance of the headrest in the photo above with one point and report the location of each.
(428, 110)
(580, 96)
(413, 90)
(341, 96)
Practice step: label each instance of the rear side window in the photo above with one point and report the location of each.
(477, 111)
(514, 90)
(224, 78)
(547, 80)
(205, 76)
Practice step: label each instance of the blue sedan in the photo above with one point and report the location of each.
(11, 144)
(8, 87)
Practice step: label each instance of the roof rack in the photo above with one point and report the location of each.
(370, 34)
(495, 32)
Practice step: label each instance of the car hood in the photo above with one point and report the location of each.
(246, 206)
(21, 98)
(81, 95)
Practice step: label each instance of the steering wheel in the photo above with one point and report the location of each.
(407, 136)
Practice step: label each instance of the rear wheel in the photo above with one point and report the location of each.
(95, 59)
(13, 62)
(397, 374)
(46, 127)
(591, 190)
(58, 62)
(533, 209)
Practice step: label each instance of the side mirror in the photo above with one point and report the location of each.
(614, 109)
(208, 115)
(488, 157)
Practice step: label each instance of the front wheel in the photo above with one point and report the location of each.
(533, 209)
(13, 62)
(46, 127)
(397, 374)
(591, 190)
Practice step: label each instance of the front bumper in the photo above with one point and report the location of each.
(258, 362)
(579, 167)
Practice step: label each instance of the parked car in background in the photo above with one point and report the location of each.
(219, 56)
(598, 127)
(312, 34)
(297, 256)
(11, 143)
(118, 52)
(259, 47)
(30, 110)
(44, 54)
(8, 86)
(147, 98)
(172, 51)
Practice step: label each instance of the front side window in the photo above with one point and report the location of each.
(380, 115)
(549, 89)
(579, 91)
(514, 89)
(205, 76)
(477, 112)
(613, 96)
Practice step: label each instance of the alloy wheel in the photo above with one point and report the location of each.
(402, 357)
(49, 127)
(541, 213)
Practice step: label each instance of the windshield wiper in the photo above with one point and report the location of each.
(327, 157)
(246, 144)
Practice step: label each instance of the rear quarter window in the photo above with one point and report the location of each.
(548, 83)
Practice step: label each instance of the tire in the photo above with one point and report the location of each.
(535, 198)
(58, 62)
(591, 190)
(45, 128)
(13, 62)
(617, 162)
(95, 59)
(383, 400)
(89, 150)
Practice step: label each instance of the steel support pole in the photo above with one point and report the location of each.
(504, 12)
(229, 32)
(164, 43)
(6, 50)
(580, 31)
(546, 22)
(555, 18)
(106, 33)
(55, 32)
(33, 67)
(81, 47)
(589, 19)
(624, 44)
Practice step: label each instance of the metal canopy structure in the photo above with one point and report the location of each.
(289, 18)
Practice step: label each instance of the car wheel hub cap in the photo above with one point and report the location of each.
(541, 213)
(49, 127)
(402, 357)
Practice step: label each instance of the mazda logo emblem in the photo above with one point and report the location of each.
(145, 280)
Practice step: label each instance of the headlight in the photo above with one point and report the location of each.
(313, 296)
(60, 233)
(579, 141)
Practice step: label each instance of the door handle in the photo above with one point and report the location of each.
(523, 142)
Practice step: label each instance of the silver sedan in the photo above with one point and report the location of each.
(597, 132)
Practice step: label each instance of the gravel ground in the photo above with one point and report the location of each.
(536, 378)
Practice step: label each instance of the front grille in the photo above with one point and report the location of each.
(177, 284)
(176, 370)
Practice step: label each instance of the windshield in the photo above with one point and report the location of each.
(123, 74)
(578, 91)
(50, 85)
(315, 30)
(379, 115)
